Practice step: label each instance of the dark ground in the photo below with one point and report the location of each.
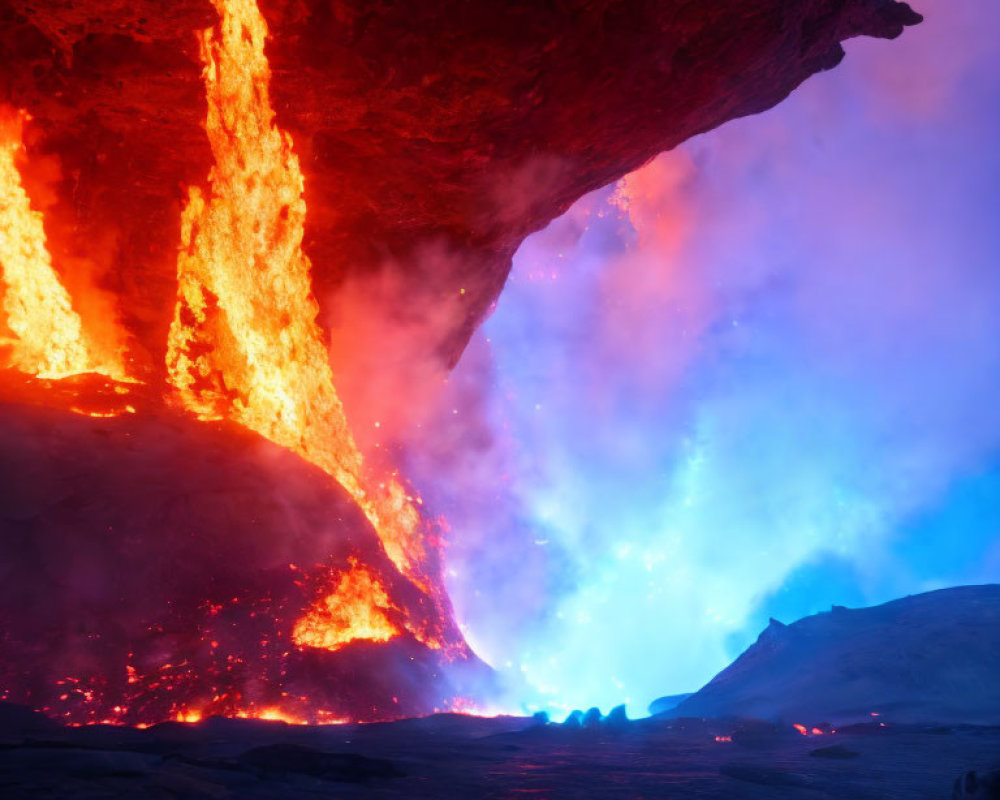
(467, 757)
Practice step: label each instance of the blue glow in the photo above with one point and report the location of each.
(759, 378)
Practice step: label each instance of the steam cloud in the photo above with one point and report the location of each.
(757, 377)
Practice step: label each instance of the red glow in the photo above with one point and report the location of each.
(245, 346)
(810, 731)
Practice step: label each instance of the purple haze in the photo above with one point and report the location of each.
(759, 376)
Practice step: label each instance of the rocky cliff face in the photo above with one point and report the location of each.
(434, 136)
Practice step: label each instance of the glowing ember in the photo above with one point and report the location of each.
(273, 715)
(48, 338)
(806, 731)
(268, 714)
(244, 342)
(356, 609)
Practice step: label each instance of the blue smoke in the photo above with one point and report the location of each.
(757, 378)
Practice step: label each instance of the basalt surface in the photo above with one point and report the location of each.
(152, 566)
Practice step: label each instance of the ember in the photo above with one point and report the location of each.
(243, 345)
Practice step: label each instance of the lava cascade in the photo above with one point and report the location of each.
(48, 334)
(244, 342)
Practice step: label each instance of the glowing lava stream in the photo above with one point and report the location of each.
(49, 339)
(244, 342)
(355, 609)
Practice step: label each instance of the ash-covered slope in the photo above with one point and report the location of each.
(931, 657)
(152, 565)
(434, 136)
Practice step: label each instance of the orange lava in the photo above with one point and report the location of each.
(268, 714)
(244, 343)
(47, 337)
(355, 609)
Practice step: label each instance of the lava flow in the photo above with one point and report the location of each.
(244, 342)
(46, 338)
(357, 608)
(190, 600)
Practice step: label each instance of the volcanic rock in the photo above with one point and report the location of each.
(765, 776)
(153, 563)
(833, 751)
(434, 136)
(574, 719)
(928, 658)
(298, 759)
(461, 756)
(617, 717)
(663, 704)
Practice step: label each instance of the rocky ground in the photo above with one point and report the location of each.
(146, 567)
(468, 757)
(919, 659)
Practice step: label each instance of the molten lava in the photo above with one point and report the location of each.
(357, 608)
(244, 343)
(48, 338)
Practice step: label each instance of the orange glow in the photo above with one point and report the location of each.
(273, 714)
(329, 718)
(48, 339)
(276, 714)
(85, 702)
(473, 708)
(355, 609)
(801, 729)
(102, 414)
(193, 716)
(244, 342)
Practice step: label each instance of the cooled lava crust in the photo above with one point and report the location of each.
(153, 567)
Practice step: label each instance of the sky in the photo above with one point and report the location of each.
(757, 377)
